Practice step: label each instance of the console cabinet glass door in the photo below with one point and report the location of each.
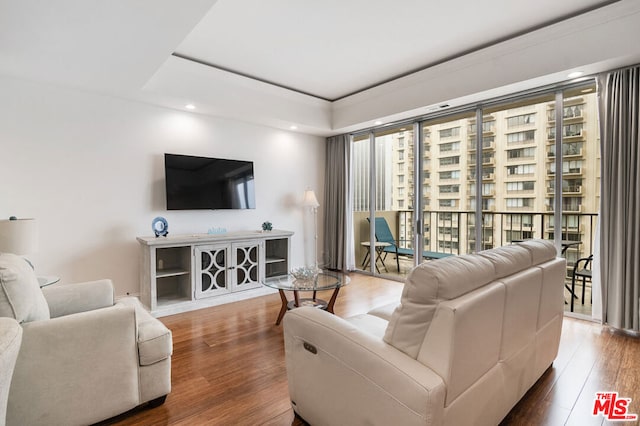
(246, 265)
(212, 270)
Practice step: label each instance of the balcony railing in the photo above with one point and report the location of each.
(457, 228)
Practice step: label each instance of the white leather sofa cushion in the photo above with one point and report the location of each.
(20, 294)
(385, 311)
(369, 323)
(427, 285)
(464, 341)
(507, 260)
(540, 250)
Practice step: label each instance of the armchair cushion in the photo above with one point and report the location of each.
(20, 294)
(69, 299)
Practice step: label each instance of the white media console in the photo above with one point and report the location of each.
(186, 272)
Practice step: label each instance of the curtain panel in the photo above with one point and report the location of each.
(619, 109)
(336, 185)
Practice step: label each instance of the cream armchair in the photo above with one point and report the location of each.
(83, 358)
(10, 339)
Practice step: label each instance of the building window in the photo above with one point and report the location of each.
(448, 245)
(451, 146)
(487, 126)
(448, 161)
(519, 202)
(521, 169)
(488, 203)
(513, 154)
(521, 137)
(447, 203)
(488, 189)
(568, 131)
(518, 235)
(520, 186)
(567, 167)
(449, 133)
(519, 220)
(574, 111)
(449, 189)
(521, 120)
(452, 174)
(571, 204)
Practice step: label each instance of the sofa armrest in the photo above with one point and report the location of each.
(69, 299)
(76, 369)
(339, 374)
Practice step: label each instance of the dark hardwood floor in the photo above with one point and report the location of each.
(228, 366)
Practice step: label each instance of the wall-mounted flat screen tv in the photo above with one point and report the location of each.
(194, 183)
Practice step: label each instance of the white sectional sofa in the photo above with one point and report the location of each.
(470, 335)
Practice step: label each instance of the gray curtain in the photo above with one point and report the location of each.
(619, 107)
(336, 184)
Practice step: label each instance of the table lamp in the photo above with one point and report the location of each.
(18, 236)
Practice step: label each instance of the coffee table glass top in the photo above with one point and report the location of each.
(324, 281)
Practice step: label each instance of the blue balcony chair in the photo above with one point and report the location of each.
(383, 234)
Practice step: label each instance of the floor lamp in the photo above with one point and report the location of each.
(311, 201)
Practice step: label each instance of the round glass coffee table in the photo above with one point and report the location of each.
(324, 281)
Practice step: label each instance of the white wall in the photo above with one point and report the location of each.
(90, 169)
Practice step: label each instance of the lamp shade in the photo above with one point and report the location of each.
(18, 236)
(310, 199)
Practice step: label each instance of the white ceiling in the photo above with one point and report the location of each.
(326, 67)
(334, 48)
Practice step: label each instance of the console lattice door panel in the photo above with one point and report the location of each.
(246, 266)
(212, 271)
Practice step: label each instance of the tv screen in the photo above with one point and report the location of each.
(208, 183)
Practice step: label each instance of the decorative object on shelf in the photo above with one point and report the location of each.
(311, 201)
(217, 231)
(305, 276)
(305, 273)
(160, 226)
(267, 226)
(19, 236)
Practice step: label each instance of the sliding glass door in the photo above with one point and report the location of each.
(480, 178)
(386, 158)
(448, 151)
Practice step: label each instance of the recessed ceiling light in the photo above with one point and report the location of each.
(378, 122)
(190, 106)
(575, 74)
(294, 127)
